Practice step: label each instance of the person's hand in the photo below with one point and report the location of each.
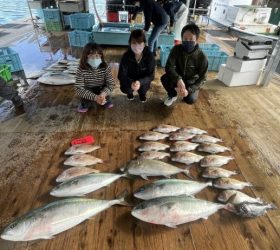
(181, 88)
(101, 99)
(135, 86)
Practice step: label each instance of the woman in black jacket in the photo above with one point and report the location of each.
(137, 67)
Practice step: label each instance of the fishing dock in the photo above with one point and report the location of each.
(32, 146)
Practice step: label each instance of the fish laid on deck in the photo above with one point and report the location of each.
(252, 210)
(193, 130)
(150, 146)
(205, 139)
(82, 160)
(214, 173)
(163, 128)
(180, 136)
(153, 136)
(81, 149)
(237, 197)
(170, 187)
(215, 160)
(186, 157)
(56, 78)
(73, 172)
(153, 155)
(183, 146)
(175, 210)
(229, 183)
(212, 148)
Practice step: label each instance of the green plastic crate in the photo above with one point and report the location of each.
(53, 26)
(5, 72)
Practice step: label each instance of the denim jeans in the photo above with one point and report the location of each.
(153, 39)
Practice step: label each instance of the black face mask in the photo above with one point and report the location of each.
(188, 45)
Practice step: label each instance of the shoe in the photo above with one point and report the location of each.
(82, 109)
(130, 97)
(109, 105)
(143, 99)
(169, 100)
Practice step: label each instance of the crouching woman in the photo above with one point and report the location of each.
(94, 79)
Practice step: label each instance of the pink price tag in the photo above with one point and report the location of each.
(84, 140)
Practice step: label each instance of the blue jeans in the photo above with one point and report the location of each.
(153, 38)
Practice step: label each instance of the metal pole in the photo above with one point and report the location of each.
(272, 65)
(194, 8)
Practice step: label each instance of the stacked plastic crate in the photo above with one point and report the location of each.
(9, 62)
(215, 56)
(82, 24)
(52, 20)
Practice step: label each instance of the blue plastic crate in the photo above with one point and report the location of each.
(164, 53)
(215, 59)
(81, 21)
(79, 38)
(51, 15)
(10, 57)
(209, 46)
(66, 19)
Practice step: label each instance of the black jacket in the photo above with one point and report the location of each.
(130, 70)
(171, 7)
(153, 12)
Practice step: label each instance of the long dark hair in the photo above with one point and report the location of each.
(89, 49)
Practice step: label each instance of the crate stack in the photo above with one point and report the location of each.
(248, 62)
(82, 24)
(52, 20)
(215, 57)
(9, 63)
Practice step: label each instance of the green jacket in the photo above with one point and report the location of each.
(191, 67)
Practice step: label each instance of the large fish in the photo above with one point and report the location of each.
(153, 136)
(186, 157)
(183, 146)
(237, 197)
(82, 160)
(152, 146)
(153, 155)
(73, 172)
(247, 209)
(51, 78)
(81, 149)
(215, 160)
(229, 183)
(205, 139)
(193, 130)
(214, 173)
(55, 217)
(145, 168)
(163, 128)
(84, 184)
(180, 136)
(212, 148)
(175, 210)
(170, 187)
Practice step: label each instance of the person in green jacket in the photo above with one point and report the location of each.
(186, 68)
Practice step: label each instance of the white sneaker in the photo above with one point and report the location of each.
(169, 100)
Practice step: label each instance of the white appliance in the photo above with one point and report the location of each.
(239, 65)
(252, 47)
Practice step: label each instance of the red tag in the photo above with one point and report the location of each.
(84, 140)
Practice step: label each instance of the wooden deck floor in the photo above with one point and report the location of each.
(32, 147)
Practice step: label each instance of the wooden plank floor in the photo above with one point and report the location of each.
(31, 157)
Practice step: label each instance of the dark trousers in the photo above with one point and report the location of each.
(96, 90)
(170, 88)
(126, 88)
(9, 93)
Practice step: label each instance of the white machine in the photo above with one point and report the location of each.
(252, 47)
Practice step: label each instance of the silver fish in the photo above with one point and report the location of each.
(73, 172)
(152, 146)
(82, 160)
(212, 148)
(186, 157)
(183, 146)
(84, 184)
(170, 187)
(145, 168)
(213, 172)
(215, 160)
(229, 183)
(153, 155)
(163, 128)
(205, 139)
(153, 136)
(193, 130)
(56, 78)
(252, 210)
(55, 217)
(237, 197)
(175, 210)
(180, 136)
(81, 149)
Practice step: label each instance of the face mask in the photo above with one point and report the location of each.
(94, 62)
(188, 45)
(137, 48)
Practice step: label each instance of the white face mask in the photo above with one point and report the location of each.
(137, 48)
(94, 62)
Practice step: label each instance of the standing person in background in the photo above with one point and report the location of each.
(153, 12)
(137, 67)
(178, 13)
(186, 68)
(94, 80)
